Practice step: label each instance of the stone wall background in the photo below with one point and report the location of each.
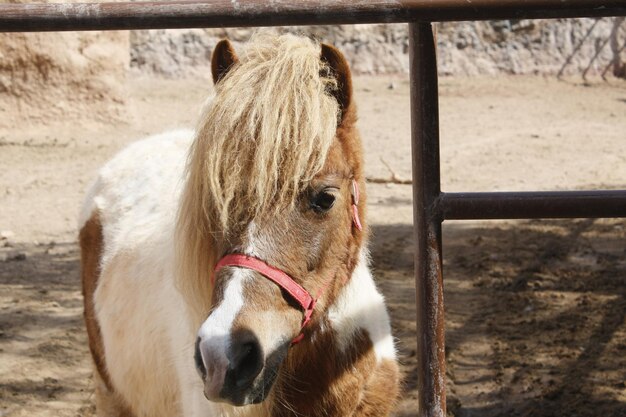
(465, 48)
(51, 77)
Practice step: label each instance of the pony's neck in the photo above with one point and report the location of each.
(349, 340)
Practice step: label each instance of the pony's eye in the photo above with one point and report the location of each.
(322, 202)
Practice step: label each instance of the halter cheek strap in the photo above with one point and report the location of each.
(280, 278)
(304, 299)
(355, 202)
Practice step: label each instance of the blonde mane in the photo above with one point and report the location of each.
(265, 134)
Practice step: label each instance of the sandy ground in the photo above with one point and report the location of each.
(535, 310)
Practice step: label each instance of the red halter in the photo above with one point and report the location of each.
(282, 279)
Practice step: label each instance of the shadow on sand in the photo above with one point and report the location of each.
(535, 315)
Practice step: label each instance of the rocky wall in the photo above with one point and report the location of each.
(465, 48)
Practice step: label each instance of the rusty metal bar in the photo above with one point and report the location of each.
(30, 17)
(427, 222)
(533, 205)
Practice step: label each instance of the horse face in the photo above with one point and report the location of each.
(244, 340)
(249, 331)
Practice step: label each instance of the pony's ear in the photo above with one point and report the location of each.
(222, 60)
(341, 71)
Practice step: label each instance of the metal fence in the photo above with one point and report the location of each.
(431, 206)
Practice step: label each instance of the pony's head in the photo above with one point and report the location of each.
(273, 174)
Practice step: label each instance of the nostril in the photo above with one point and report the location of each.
(246, 360)
(197, 357)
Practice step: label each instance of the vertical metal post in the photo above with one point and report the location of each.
(427, 221)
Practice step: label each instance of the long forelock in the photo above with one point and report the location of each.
(267, 131)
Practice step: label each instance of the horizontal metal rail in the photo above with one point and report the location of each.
(32, 17)
(532, 205)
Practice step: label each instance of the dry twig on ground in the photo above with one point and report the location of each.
(393, 179)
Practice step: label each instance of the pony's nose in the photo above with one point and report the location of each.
(228, 366)
(246, 362)
(212, 366)
(199, 360)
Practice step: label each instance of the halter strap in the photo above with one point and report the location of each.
(356, 221)
(282, 279)
(275, 275)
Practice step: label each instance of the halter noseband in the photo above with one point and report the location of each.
(278, 277)
(304, 299)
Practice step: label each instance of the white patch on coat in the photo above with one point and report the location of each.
(149, 345)
(216, 330)
(259, 245)
(361, 306)
(136, 196)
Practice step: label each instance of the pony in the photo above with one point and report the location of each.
(225, 270)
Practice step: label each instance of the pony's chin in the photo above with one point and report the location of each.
(255, 394)
(241, 399)
(240, 402)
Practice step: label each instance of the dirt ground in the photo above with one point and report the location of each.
(535, 310)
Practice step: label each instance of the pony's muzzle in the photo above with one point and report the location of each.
(229, 370)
